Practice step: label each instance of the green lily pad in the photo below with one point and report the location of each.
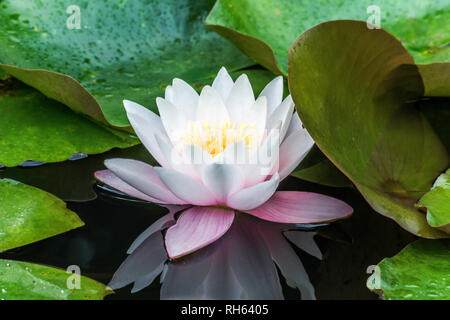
(123, 50)
(29, 281)
(437, 112)
(436, 78)
(34, 127)
(437, 203)
(265, 29)
(421, 271)
(317, 168)
(359, 106)
(28, 214)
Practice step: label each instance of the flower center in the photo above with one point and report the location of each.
(214, 138)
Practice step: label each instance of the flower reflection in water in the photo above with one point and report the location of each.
(240, 265)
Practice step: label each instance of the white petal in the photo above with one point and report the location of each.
(185, 98)
(186, 188)
(274, 93)
(176, 161)
(284, 113)
(293, 150)
(168, 94)
(142, 177)
(257, 116)
(264, 160)
(223, 83)
(241, 98)
(173, 121)
(211, 107)
(254, 196)
(294, 125)
(223, 180)
(145, 123)
(234, 153)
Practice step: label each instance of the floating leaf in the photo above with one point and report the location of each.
(437, 203)
(122, 50)
(421, 271)
(28, 214)
(363, 116)
(265, 29)
(29, 281)
(34, 127)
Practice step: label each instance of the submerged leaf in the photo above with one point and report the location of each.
(122, 50)
(421, 271)
(29, 281)
(265, 29)
(28, 214)
(363, 116)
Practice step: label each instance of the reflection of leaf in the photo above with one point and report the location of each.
(265, 29)
(33, 127)
(73, 180)
(364, 117)
(28, 214)
(317, 168)
(124, 50)
(29, 281)
(437, 203)
(420, 271)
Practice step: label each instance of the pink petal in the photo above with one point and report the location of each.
(109, 178)
(196, 228)
(301, 207)
(252, 197)
(162, 223)
(186, 188)
(142, 176)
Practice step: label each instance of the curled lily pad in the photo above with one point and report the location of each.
(363, 116)
(421, 271)
(118, 50)
(265, 29)
(29, 281)
(28, 214)
(437, 203)
(34, 127)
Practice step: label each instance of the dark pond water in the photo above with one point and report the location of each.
(112, 223)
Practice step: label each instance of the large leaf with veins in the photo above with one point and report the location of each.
(265, 29)
(123, 50)
(364, 116)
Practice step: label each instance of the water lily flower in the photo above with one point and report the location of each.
(219, 152)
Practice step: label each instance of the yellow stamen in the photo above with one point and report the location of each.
(214, 138)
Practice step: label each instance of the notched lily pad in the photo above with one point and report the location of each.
(437, 203)
(28, 214)
(121, 50)
(265, 29)
(29, 281)
(421, 271)
(364, 116)
(34, 127)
